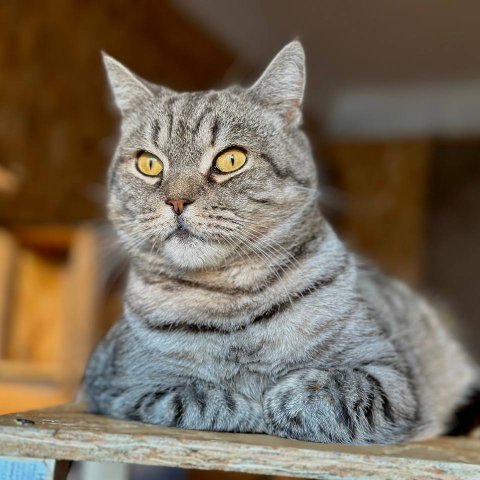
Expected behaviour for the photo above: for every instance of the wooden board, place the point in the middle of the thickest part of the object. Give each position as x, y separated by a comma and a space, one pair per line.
68, 433
50, 295
83, 298
36, 326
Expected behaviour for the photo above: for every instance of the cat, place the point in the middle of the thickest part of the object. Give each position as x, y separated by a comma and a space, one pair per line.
243, 310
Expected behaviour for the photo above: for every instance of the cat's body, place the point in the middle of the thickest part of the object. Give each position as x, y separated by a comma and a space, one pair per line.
243, 310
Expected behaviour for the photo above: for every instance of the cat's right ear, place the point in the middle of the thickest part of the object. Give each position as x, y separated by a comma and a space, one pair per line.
282, 84
127, 88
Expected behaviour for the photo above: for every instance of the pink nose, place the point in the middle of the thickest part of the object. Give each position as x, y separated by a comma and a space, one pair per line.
178, 205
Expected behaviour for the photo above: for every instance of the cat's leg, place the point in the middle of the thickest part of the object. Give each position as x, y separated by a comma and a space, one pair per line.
111, 389
199, 407
343, 406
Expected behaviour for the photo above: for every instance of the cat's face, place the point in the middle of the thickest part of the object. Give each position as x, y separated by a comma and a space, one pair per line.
202, 177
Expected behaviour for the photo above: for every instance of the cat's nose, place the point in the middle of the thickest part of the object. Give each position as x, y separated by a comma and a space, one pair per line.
178, 205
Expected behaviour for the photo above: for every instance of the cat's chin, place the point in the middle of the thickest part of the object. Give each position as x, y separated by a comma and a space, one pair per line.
193, 253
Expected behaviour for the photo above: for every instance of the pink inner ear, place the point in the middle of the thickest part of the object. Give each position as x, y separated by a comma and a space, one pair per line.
292, 113
290, 116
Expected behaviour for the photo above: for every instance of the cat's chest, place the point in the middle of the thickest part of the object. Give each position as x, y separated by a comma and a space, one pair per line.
192, 304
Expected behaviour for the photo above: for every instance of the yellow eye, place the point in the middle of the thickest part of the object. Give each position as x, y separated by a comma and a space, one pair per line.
149, 164
230, 160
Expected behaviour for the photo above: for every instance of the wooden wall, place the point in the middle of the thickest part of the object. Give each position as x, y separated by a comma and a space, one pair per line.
453, 233
384, 188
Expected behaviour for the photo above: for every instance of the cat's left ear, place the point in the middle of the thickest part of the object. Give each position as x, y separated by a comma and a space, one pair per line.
127, 87
282, 84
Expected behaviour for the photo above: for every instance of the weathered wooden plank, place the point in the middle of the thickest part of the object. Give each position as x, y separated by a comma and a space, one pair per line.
68, 433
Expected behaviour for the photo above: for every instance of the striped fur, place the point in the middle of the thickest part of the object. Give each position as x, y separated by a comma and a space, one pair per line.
257, 318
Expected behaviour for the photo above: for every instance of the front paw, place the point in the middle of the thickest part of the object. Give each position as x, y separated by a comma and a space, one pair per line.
161, 407
302, 406
201, 408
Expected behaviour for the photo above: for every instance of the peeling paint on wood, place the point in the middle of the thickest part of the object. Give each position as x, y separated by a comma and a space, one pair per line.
67, 432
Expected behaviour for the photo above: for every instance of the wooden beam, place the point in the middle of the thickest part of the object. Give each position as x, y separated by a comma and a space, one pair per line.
69, 433
84, 293
8, 254
51, 238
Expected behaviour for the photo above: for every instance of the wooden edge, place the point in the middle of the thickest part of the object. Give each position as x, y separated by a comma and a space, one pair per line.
68, 433
84, 272
55, 238
8, 253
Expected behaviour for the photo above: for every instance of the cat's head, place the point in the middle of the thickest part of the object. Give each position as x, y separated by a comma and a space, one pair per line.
201, 177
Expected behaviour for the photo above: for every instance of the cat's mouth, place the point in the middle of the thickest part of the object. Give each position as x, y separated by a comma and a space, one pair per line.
183, 234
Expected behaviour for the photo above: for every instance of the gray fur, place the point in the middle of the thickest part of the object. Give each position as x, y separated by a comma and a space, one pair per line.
259, 320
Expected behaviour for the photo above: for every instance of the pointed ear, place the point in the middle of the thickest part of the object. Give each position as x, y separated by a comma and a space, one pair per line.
282, 84
127, 88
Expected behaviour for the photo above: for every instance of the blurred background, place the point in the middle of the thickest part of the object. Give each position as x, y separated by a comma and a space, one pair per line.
392, 109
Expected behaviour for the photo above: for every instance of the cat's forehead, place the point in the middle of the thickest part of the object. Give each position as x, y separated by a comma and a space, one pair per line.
192, 106
183, 124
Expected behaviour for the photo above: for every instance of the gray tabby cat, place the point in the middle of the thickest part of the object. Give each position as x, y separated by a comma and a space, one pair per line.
243, 311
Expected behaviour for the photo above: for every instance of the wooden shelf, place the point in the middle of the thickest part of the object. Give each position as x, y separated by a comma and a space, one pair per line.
68, 433
51, 296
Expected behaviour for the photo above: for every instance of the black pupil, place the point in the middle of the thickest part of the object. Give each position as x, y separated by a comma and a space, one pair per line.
232, 158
